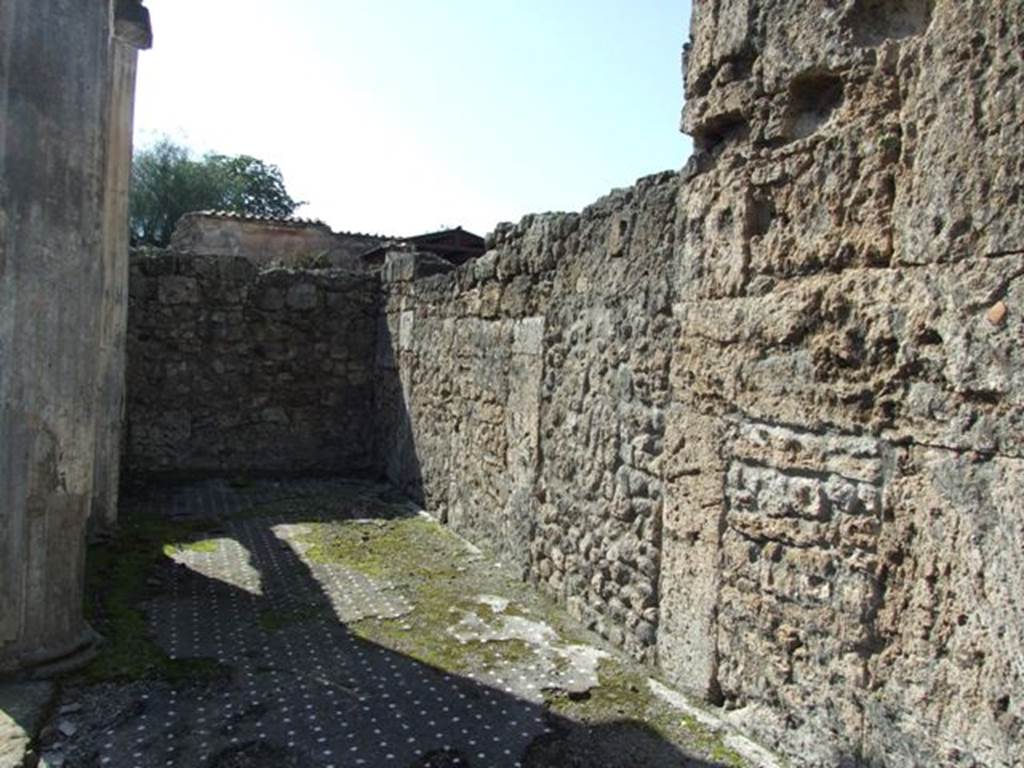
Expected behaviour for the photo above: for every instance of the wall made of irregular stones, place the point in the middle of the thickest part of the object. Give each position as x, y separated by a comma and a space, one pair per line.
849, 248
522, 397
233, 370
761, 422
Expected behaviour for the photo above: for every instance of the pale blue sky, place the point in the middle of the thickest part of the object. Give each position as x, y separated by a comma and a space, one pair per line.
401, 116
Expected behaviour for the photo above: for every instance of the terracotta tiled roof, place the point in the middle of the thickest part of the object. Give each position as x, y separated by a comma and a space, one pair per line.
289, 221
293, 221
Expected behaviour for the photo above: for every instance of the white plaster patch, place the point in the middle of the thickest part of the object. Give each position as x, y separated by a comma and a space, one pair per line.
494, 602
405, 329
553, 665
528, 336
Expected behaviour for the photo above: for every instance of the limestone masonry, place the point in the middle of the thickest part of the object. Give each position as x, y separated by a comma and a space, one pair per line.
760, 423
235, 369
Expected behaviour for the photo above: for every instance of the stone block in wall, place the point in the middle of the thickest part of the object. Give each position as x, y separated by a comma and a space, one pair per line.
178, 289
962, 115
801, 583
402, 266
522, 438
406, 328
528, 336
822, 201
911, 354
270, 298
303, 297
693, 472
946, 684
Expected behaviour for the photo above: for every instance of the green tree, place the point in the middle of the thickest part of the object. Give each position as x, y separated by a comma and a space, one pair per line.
167, 182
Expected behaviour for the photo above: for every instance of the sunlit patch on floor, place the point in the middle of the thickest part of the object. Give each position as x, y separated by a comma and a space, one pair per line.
341, 627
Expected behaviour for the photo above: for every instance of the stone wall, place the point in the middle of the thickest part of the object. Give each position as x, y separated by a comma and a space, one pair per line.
523, 399
758, 423
233, 370
761, 422
849, 313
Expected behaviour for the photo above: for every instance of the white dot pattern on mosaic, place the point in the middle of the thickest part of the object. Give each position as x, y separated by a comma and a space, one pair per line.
300, 681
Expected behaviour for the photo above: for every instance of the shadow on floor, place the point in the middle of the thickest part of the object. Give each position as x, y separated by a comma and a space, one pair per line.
303, 689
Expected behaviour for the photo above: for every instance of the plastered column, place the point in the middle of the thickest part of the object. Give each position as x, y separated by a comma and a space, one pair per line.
55, 101
132, 33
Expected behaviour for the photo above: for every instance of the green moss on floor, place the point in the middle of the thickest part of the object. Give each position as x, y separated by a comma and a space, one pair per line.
623, 694
205, 546
502, 652
710, 743
116, 583
419, 557
407, 548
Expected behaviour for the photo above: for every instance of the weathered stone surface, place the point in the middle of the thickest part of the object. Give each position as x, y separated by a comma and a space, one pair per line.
760, 422
131, 32
693, 516
255, 372
522, 396
949, 671
843, 249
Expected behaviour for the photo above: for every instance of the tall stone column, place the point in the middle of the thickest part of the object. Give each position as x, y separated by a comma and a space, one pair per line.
132, 33
55, 100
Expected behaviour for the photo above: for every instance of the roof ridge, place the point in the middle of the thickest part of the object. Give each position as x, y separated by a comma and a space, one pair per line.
293, 220
222, 214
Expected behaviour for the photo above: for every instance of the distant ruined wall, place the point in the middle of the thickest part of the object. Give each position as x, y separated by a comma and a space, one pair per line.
233, 370
271, 242
762, 422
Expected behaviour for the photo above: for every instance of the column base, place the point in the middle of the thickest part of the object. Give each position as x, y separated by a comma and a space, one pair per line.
49, 662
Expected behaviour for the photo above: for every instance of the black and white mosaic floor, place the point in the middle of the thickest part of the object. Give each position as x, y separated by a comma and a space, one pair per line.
301, 688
